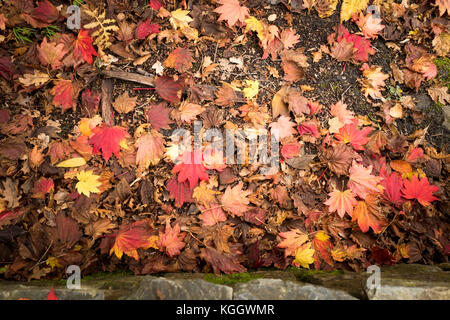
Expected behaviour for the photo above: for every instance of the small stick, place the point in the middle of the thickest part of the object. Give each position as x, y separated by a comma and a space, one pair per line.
129, 76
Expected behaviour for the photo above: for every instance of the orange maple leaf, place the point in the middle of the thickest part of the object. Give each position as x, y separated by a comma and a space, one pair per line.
82, 47
232, 12
131, 237
51, 53
367, 214
235, 200
150, 149
342, 202
108, 139
63, 92
293, 240
171, 241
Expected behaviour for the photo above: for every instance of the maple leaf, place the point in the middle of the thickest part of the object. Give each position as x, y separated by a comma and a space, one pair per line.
343, 50
350, 7
361, 47
213, 159
42, 187
289, 38
41, 16
180, 59
339, 110
420, 61
87, 183
373, 82
401, 166
6, 68
362, 181
124, 103
169, 89
189, 111
204, 195
171, 241
82, 47
158, 116
226, 96
235, 201
293, 240
212, 215
308, 128
191, 168
227, 263
232, 12
145, 28
251, 89
179, 19
257, 216
414, 155
369, 25
63, 92
108, 139
290, 150
179, 191
322, 246
342, 202
150, 149
366, 213
420, 190
156, 5
51, 53
304, 256
339, 158
351, 133
392, 184
91, 100
444, 5
377, 141
131, 237
282, 128
297, 103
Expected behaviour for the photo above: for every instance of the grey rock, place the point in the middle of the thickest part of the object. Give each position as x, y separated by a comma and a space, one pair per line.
180, 289
411, 282
41, 293
423, 102
446, 112
276, 289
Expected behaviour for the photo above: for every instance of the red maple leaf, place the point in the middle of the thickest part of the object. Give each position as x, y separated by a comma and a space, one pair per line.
158, 116
144, 28
108, 140
351, 133
41, 16
420, 190
227, 263
6, 68
191, 168
82, 47
308, 128
91, 99
63, 94
180, 59
322, 246
156, 5
42, 187
393, 185
179, 191
171, 241
362, 47
169, 89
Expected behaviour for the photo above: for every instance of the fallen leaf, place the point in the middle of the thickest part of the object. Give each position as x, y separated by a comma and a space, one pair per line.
124, 103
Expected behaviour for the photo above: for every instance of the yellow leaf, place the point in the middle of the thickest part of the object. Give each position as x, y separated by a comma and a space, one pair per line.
53, 262
254, 24
349, 7
204, 195
87, 183
322, 236
36, 79
304, 256
401, 166
179, 19
71, 163
251, 88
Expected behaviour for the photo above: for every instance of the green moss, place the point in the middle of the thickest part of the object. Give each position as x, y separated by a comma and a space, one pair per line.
231, 278
308, 275
443, 65
102, 275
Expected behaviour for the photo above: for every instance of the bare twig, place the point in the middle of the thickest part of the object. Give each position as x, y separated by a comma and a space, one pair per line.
129, 76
